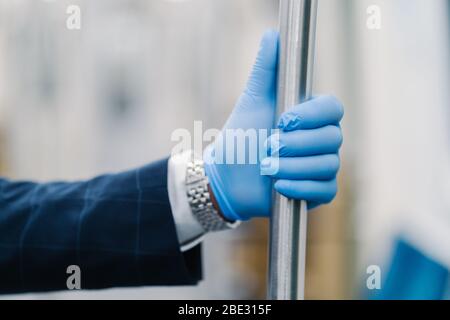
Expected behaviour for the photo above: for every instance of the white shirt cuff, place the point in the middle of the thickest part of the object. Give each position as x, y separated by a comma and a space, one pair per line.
189, 231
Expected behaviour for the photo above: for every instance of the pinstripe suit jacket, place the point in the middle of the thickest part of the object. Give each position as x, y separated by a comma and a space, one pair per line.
117, 228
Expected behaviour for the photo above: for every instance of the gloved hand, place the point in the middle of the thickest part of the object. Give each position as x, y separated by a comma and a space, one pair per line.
305, 152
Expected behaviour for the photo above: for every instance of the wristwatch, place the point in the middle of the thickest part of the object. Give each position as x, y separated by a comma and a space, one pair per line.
200, 199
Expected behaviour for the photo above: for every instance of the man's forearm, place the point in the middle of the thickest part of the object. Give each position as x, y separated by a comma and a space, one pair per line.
117, 228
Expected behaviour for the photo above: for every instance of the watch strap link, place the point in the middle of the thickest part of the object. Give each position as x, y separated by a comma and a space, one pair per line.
199, 199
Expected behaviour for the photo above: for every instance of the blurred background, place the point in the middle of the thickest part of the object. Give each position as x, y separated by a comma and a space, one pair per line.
105, 98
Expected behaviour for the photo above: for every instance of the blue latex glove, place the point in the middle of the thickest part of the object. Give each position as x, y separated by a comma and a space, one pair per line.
308, 145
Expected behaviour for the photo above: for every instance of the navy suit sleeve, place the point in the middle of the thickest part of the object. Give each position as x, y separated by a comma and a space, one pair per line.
117, 228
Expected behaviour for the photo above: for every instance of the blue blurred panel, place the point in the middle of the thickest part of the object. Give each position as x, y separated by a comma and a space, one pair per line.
413, 276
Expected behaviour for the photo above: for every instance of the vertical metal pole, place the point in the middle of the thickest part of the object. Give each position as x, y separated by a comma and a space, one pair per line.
289, 218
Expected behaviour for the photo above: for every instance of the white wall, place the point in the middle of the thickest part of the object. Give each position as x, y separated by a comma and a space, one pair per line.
403, 80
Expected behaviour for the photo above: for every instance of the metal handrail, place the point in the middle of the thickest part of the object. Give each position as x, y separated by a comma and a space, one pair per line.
287, 255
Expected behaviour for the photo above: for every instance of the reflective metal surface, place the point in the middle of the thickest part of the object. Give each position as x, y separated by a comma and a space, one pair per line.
289, 218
